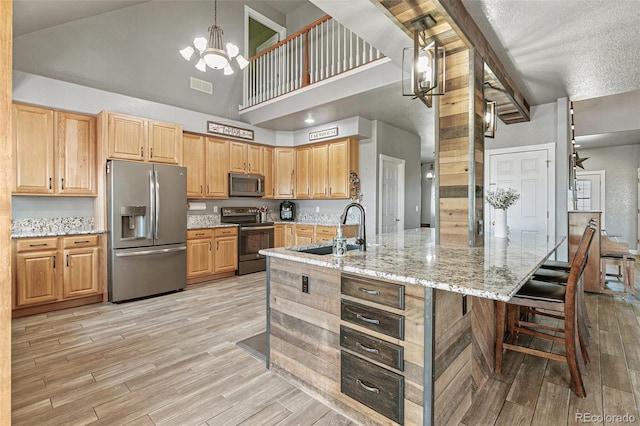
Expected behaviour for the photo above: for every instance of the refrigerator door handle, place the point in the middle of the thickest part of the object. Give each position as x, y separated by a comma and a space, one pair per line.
147, 252
152, 213
156, 216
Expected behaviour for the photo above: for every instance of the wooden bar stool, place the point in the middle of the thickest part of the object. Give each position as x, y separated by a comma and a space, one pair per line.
553, 297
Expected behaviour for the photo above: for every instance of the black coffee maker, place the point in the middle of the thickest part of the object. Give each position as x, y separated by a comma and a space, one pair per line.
287, 210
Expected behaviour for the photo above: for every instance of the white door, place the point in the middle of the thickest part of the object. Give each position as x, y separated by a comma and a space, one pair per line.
391, 194
590, 193
527, 169
638, 242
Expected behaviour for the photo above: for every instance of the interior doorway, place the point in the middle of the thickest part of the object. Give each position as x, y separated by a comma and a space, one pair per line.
531, 171
391, 187
590, 193
260, 32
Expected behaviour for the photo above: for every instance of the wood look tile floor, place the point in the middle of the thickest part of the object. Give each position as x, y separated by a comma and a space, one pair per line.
173, 360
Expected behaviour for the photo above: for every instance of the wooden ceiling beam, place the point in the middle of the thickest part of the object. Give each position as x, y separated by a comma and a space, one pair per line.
460, 20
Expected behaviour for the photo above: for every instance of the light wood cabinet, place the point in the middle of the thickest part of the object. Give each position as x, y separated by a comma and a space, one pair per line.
303, 172
343, 158
54, 152
206, 162
245, 158
278, 235
328, 233
226, 249
211, 253
285, 171
76, 146
139, 139
304, 234
57, 272
267, 166
319, 170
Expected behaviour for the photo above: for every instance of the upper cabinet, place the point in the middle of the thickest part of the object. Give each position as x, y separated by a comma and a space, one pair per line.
319, 169
139, 139
206, 161
245, 158
267, 165
303, 172
285, 172
343, 159
54, 152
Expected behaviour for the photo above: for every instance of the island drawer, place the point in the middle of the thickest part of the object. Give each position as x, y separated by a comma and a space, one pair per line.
373, 319
372, 348
374, 291
377, 388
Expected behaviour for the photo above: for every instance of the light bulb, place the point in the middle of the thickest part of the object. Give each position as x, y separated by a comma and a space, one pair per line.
200, 43
216, 60
228, 70
232, 50
242, 62
201, 65
309, 120
187, 52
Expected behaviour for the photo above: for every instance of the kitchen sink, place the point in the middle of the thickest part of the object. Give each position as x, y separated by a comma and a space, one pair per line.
323, 249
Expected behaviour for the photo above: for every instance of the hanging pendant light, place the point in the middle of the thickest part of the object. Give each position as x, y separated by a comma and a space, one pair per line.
213, 52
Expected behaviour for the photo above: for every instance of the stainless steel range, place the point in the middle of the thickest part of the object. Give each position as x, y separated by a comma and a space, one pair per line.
253, 237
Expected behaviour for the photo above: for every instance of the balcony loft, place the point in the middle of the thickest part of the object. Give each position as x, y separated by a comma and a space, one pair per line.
296, 73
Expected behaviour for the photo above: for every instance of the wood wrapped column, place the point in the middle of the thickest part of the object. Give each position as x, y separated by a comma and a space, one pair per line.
460, 149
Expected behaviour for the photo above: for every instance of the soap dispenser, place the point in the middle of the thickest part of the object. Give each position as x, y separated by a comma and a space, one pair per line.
339, 244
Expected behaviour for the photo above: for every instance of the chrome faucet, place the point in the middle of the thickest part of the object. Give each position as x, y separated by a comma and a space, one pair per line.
362, 235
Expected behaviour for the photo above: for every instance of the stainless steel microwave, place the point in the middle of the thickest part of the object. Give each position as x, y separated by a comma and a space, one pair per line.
241, 185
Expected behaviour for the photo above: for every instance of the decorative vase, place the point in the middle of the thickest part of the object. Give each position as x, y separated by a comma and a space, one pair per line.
500, 224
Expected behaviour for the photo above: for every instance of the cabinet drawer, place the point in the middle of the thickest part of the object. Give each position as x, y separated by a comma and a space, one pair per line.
373, 319
372, 348
326, 230
225, 232
80, 241
304, 229
199, 233
377, 388
36, 244
374, 291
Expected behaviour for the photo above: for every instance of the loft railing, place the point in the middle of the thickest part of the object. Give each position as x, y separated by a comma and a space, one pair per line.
319, 51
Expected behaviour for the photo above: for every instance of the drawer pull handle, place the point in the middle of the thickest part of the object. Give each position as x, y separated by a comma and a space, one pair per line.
38, 245
368, 388
81, 242
368, 349
371, 292
369, 320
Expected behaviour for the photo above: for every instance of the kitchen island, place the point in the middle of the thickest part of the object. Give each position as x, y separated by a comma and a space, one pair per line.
402, 333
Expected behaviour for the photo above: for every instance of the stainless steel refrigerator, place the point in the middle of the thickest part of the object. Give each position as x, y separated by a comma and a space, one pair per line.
147, 220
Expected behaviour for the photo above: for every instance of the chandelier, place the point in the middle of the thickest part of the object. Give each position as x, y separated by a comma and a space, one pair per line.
214, 53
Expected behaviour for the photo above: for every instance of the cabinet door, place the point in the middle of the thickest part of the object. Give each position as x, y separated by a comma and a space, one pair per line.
194, 160
226, 254
339, 170
285, 171
33, 153
319, 170
80, 276
199, 257
165, 142
76, 144
278, 236
237, 157
36, 278
302, 173
267, 166
217, 182
254, 160
127, 137
289, 237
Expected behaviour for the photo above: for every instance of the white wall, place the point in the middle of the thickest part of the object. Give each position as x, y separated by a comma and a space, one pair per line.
302, 16
425, 210
608, 114
620, 164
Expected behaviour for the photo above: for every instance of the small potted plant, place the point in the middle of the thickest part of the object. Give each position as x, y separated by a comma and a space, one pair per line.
501, 199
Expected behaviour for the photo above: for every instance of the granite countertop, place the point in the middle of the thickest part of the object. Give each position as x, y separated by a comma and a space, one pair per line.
311, 222
56, 233
495, 271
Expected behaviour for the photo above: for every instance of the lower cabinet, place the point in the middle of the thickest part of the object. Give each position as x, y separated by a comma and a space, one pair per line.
57, 272
305, 234
211, 252
287, 235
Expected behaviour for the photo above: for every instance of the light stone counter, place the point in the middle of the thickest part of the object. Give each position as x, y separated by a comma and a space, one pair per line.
495, 271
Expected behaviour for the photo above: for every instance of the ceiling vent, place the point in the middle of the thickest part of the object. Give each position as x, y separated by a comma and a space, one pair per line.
201, 85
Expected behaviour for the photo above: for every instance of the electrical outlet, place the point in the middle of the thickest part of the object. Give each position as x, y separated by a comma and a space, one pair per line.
317, 209
215, 209
305, 284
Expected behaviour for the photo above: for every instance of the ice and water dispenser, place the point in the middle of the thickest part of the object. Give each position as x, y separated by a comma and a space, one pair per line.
134, 222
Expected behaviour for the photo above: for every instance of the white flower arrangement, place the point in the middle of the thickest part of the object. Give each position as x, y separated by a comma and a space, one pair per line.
502, 198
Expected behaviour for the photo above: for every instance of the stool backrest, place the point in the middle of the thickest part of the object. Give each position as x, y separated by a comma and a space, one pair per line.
578, 263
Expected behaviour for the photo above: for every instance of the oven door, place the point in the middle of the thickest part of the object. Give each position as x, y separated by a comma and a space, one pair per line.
252, 240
